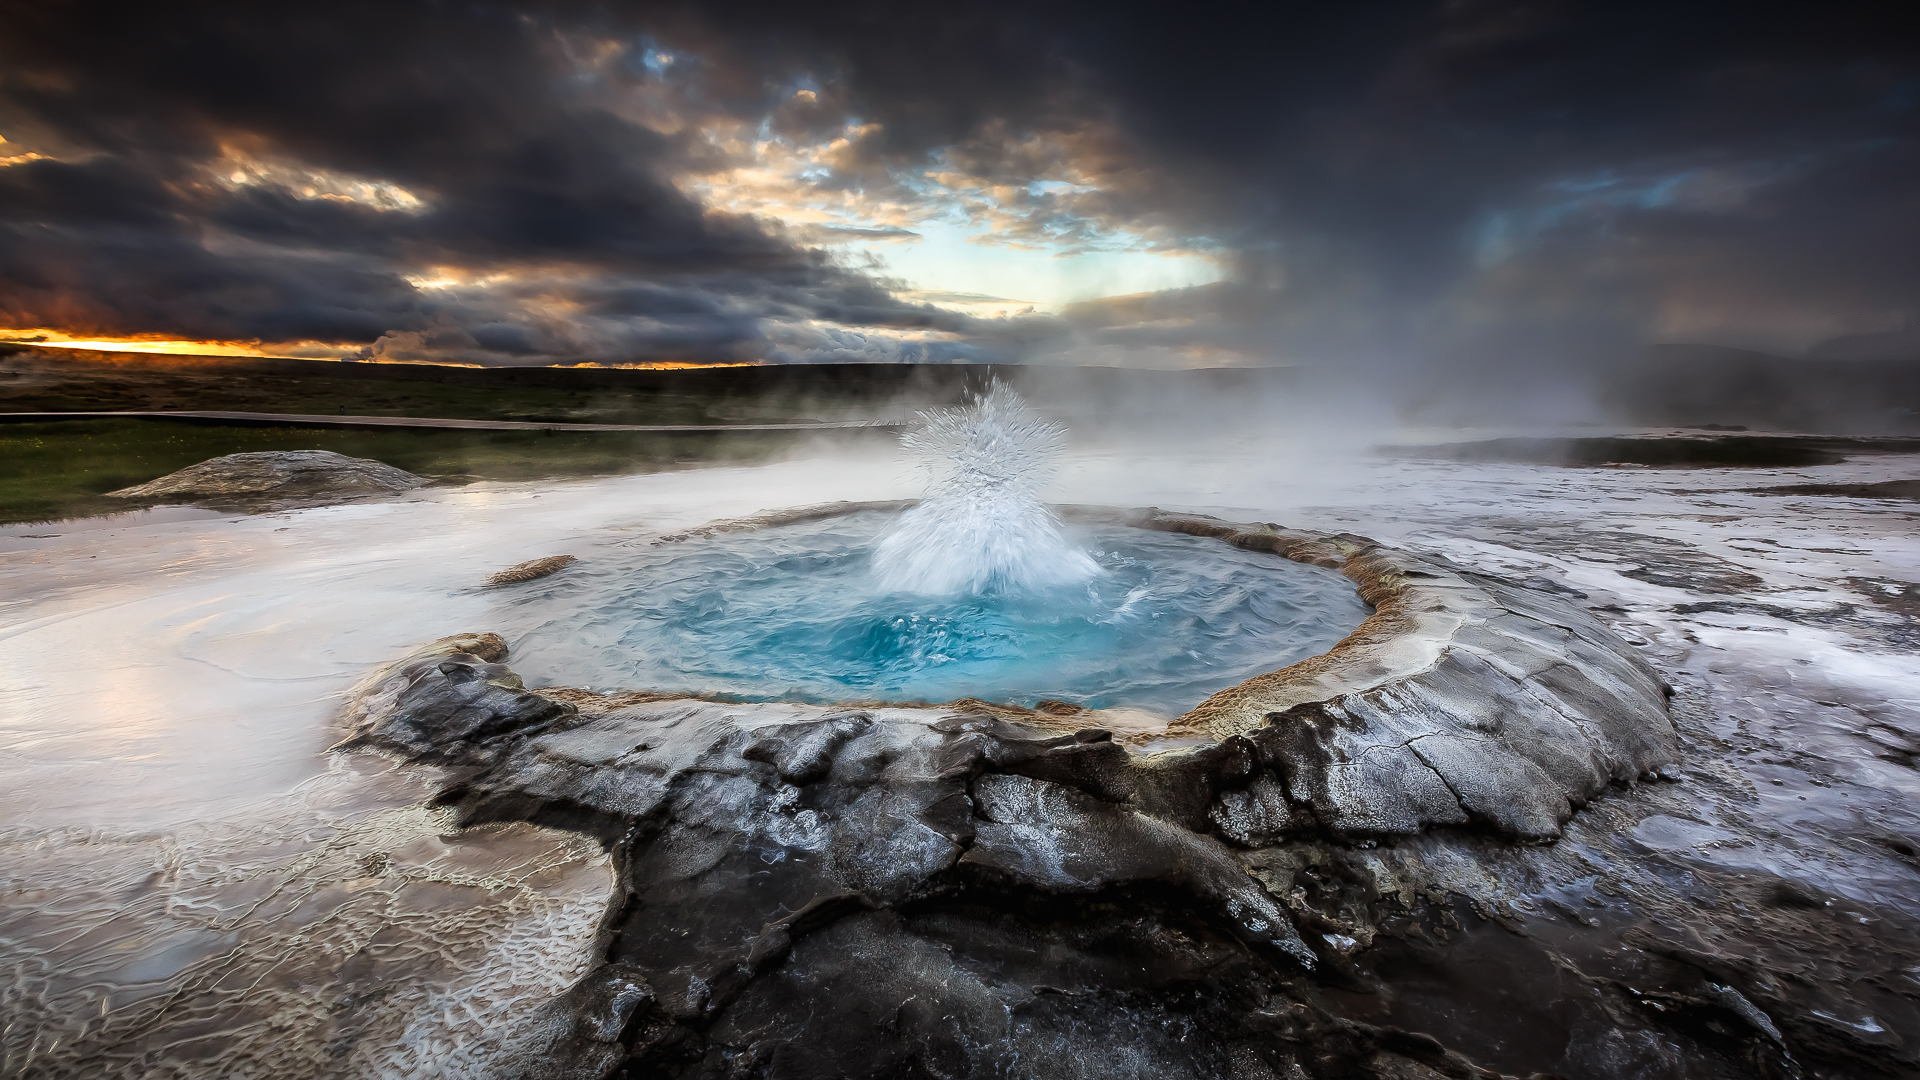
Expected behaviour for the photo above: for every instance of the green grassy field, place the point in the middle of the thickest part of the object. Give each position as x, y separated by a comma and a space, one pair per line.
333, 389
62, 469
45, 380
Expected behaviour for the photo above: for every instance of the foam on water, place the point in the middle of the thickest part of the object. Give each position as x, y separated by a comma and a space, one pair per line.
981, 526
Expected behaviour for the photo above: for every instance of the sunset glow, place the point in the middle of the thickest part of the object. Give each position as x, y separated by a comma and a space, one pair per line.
308, 350
144, 343
660, 365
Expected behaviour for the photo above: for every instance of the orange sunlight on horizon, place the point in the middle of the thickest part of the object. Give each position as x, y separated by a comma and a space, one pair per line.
330, 352
656, 365
160, 345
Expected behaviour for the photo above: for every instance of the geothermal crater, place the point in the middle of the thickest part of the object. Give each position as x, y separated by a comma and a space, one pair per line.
816, 889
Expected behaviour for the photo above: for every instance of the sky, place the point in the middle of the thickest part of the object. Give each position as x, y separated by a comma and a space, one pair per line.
1383, 188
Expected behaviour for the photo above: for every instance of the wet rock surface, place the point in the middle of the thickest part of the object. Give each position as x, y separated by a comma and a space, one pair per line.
1461, 701
805, 891
1776, 863
829, 891
276, 480
356, 932
531, 570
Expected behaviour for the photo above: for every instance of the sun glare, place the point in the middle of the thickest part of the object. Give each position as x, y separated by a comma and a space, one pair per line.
145, 343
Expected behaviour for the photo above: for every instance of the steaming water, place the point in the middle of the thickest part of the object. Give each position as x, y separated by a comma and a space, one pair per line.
794, 612
977, 591
981, 526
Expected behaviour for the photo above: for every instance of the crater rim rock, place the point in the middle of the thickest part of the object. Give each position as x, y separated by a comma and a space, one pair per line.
995, 860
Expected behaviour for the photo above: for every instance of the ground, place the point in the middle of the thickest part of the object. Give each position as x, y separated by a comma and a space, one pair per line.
171, 690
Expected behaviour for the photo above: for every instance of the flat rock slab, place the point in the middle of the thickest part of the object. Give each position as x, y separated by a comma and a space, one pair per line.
276, 480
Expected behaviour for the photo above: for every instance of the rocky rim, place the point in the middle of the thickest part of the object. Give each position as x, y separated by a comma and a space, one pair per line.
979, 890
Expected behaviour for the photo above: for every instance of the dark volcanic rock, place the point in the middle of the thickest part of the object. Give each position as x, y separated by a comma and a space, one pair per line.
276, 480
1461, 701
969, 891
1885, 489
1661, 451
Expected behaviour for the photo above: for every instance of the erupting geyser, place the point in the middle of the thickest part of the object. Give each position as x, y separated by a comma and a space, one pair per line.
977, 591
981, 526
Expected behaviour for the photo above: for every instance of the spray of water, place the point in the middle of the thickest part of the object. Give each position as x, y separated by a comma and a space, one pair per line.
981, 526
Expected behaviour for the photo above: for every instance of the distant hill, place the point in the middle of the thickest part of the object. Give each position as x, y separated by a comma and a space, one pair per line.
1691, 385
33, 379
1856, 390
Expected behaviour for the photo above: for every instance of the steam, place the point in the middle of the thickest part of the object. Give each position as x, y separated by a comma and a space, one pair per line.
981, 526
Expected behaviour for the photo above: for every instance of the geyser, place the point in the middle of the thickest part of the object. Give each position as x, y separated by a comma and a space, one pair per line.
981, 526
977, 591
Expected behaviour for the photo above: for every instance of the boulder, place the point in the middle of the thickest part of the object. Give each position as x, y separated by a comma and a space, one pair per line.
276, 480
531, 570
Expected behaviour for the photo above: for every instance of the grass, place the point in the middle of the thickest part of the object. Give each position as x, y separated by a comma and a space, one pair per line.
62, 469
34, 380
342, 394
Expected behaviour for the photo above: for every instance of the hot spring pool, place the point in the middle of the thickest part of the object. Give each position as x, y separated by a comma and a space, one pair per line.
793, 612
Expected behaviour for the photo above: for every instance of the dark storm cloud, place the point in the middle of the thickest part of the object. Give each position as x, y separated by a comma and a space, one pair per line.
1383, 169
471, 110
1391, 173
1393, 183
102, 247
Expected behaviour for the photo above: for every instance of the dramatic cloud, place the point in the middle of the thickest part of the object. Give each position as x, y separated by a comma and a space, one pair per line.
1439, 185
